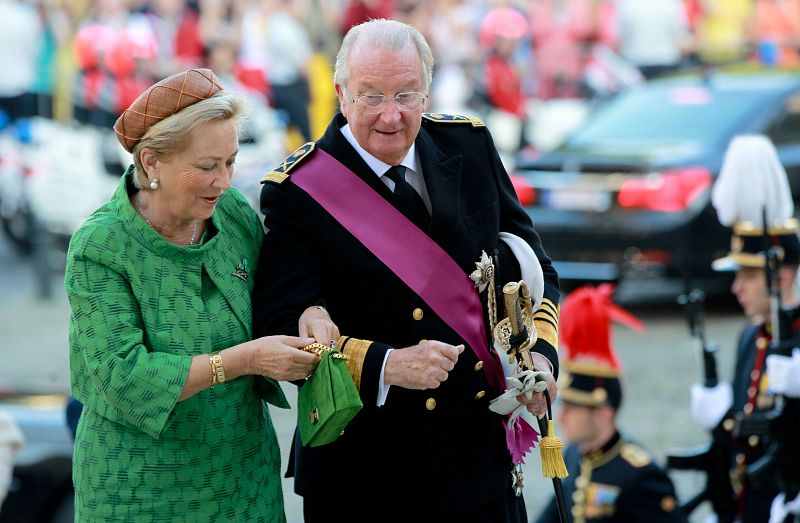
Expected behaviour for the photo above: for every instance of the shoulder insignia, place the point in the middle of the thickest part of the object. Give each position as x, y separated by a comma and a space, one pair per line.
635, 455
452, 118
280, 173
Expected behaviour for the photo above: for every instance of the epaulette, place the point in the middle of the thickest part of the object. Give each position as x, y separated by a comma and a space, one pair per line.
453, 118
635, 455
280, 173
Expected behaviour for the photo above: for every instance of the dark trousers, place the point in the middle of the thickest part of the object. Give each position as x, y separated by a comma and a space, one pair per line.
294, 99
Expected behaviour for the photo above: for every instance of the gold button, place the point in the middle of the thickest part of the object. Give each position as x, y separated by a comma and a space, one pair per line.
478, 366
480, 394
430, 404
417, 314
728, 424
752, 441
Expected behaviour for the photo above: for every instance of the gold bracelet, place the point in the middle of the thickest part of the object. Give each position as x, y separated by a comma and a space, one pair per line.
217, 371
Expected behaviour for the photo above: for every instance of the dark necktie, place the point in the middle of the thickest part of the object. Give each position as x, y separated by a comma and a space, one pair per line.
409, 200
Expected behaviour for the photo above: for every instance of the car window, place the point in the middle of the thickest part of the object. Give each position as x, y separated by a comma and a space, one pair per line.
642, 118
787, 128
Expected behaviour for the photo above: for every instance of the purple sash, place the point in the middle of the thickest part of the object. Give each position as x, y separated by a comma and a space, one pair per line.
389, 235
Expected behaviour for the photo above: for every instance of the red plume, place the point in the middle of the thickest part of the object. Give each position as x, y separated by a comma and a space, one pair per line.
584, 327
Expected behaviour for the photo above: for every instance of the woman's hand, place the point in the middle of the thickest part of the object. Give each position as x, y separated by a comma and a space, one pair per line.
280, 358
315, 322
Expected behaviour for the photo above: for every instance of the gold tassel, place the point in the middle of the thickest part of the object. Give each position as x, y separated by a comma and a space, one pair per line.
552, 460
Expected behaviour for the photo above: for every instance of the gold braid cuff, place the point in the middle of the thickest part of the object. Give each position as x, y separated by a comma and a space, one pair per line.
546, 321
356, 352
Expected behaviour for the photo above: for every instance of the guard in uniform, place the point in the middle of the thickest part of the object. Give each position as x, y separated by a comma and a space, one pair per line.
611, 479
417, 451
751, 165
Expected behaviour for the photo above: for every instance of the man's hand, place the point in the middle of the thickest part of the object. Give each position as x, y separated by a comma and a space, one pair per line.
537, 405
423, 366
316, 323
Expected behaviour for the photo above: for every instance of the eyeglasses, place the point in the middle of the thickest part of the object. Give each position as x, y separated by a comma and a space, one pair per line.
374, 103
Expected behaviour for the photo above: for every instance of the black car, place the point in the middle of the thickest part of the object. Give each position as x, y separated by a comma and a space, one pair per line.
628, 196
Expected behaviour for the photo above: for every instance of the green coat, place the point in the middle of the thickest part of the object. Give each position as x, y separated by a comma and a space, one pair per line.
142, 307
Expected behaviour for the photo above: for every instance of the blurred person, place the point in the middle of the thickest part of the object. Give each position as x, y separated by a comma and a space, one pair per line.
611, 478
275, 43
11, 440
430, 189
105, 58
21, 39
501, 31
564, 32
776, 32
174, 424
288, 55
174, 26
653, 35
451, 26
721, 31
357, 12
751, 173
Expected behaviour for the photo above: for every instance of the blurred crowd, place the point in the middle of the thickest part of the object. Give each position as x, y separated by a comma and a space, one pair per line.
86, 60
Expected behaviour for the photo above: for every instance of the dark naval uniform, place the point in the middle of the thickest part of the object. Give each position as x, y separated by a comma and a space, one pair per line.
750, 397
618, 483
426, 455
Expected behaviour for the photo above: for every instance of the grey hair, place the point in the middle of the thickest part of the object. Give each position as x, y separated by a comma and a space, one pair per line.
389, 35
171, 135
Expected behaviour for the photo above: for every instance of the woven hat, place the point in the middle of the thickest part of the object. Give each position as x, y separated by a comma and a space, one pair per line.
162, 100
591, 367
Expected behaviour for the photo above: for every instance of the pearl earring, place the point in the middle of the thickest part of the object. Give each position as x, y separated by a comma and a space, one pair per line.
154, 184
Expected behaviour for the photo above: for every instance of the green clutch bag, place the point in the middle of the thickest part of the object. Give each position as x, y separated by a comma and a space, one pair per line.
328, 400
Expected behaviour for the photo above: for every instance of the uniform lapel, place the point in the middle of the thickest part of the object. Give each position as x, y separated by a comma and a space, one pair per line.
443, 179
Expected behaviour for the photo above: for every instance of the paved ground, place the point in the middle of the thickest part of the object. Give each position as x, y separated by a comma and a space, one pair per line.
659, 364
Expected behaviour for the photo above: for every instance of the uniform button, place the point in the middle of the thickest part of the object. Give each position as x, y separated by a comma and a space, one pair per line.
417, 314
728, 424
430, 404
752, 441
478, 366
480, 394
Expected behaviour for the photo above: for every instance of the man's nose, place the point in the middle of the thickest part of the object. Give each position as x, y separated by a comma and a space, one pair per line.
390, 111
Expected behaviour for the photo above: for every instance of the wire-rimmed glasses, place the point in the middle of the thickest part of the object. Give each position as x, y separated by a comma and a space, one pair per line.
374, 103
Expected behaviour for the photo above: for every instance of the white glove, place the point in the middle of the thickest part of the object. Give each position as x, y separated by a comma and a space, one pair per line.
526, 382
784, 374
10, 441
709, 404
780, 509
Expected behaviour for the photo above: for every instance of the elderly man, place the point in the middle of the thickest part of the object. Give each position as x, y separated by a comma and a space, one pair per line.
377, 226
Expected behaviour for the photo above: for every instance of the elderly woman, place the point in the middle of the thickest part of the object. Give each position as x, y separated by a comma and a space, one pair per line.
159, 282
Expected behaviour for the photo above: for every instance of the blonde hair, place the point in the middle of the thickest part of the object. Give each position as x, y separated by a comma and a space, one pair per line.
171, 135
389, 35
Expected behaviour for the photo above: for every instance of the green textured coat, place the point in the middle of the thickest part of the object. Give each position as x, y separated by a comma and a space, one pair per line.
142, 307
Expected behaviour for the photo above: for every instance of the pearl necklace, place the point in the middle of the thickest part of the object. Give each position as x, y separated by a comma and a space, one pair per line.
141, 213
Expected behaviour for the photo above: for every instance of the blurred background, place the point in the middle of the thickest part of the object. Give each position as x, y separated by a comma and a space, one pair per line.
612, 117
